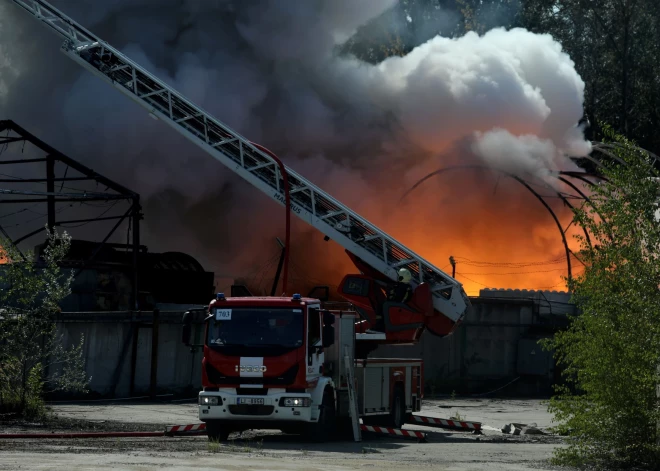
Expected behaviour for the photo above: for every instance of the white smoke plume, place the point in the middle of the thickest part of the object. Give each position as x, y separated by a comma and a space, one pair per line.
270, 69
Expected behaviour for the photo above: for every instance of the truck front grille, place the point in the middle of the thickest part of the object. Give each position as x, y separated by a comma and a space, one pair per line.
217, 378
247, 409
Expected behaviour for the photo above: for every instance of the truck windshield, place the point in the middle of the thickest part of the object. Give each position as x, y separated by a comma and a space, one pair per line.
256, 327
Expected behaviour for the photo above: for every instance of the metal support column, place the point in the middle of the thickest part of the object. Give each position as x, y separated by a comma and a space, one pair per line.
136, 216
50, 189
154, 353
134, 351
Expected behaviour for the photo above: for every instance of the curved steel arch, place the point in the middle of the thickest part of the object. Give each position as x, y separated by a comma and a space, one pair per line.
605, 148
530, 189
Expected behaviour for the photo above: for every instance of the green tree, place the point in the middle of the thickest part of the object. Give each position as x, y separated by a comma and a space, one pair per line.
33, 357
413, 22
615, 45
610, 352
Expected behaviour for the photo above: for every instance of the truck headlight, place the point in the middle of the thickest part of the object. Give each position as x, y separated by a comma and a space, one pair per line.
209, 400
295, 402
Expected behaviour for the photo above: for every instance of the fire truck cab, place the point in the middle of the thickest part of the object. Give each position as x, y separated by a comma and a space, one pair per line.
280, 363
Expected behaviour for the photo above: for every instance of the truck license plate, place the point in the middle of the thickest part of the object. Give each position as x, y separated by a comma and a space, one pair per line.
253, 401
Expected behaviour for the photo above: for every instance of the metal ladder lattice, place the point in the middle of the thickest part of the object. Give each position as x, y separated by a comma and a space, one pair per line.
308, 202
352, 396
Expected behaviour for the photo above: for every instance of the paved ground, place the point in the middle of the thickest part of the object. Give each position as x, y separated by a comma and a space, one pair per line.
265, 451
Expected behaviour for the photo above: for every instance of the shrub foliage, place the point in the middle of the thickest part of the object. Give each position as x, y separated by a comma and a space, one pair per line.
33, 355
610, 353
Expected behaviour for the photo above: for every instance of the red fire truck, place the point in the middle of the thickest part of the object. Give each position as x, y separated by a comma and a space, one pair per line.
287, 362
283, 362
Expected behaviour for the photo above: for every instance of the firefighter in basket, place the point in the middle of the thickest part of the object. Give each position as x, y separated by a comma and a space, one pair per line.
401, 291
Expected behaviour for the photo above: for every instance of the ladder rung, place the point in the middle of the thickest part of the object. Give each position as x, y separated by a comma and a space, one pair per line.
300, 188
86, 45
117, 68
257, 167
181, 120
332, 214
156, 92
404, 262
372, 237
224, 141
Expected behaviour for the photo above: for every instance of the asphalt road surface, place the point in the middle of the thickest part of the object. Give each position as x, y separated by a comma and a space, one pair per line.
268, 450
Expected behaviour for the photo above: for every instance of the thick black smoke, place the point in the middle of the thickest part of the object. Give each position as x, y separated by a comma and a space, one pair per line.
271, 70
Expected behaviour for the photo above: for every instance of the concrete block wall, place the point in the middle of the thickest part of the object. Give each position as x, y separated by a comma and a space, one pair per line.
496, 344
108, 351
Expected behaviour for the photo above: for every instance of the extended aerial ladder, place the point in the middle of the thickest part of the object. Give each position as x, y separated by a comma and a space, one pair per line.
372, 250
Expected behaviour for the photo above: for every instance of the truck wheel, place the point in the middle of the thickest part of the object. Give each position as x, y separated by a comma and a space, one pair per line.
216, 431
326, 426
398, 416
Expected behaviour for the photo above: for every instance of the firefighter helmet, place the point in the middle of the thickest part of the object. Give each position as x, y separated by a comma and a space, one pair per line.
404, 275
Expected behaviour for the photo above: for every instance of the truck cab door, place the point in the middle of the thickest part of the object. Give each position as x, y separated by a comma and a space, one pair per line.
315, 355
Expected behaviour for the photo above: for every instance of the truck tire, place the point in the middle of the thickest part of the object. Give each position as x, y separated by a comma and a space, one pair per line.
216, 431
325, 428
398, 415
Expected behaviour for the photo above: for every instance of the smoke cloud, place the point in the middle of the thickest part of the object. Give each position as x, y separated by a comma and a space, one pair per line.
365, 133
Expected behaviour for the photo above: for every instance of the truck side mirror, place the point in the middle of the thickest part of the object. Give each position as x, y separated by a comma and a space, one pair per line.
328, 336
187, 328
328, 318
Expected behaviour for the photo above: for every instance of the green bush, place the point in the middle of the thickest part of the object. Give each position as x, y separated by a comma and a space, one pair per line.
610, 353
30, 346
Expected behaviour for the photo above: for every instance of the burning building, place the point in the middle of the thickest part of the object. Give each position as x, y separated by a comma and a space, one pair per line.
509, 101
108, 275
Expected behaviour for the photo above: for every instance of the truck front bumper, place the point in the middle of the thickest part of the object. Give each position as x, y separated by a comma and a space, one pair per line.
229, 406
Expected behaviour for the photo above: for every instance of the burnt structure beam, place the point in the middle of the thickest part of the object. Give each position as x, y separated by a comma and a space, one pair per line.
58, 156
21, 161
27, 236
43, 180
102, 244
50, 189
153, 380
84, 195
9, 140
529, 188
77, 221
64, 200
136, 215
17, 134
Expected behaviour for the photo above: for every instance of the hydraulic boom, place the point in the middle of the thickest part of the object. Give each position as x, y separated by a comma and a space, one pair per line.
369, 247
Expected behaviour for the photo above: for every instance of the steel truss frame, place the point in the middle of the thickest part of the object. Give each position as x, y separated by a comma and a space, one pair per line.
13, 134
561, 177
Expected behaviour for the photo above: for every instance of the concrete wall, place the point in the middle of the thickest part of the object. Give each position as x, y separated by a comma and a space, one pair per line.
496, 344
109, 345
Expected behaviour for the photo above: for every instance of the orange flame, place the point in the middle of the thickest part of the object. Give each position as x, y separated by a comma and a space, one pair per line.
499, 233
